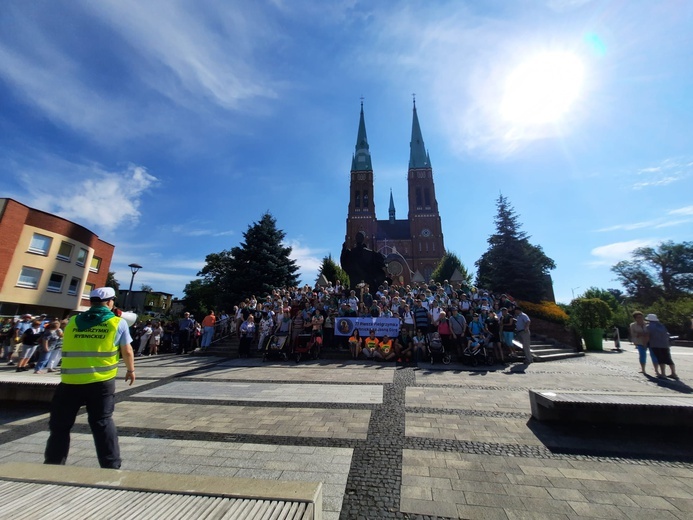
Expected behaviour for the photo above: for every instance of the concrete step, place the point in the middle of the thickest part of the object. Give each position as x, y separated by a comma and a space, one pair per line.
559, 355
138, 494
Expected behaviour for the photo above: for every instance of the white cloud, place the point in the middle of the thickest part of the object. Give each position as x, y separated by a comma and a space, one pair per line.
307, 259
611, 254
631, 226
195, 265
87, 194
670, 170
688, 210
166, 56
196, 228
208, 50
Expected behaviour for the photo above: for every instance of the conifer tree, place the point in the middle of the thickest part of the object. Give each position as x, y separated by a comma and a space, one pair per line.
255, 267
446, 267
332, 271
511, 264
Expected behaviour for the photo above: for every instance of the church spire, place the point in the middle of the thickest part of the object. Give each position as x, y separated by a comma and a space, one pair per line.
418, 156
392, 208
362, 156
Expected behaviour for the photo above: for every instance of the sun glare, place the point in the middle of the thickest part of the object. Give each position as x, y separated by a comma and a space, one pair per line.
542, 89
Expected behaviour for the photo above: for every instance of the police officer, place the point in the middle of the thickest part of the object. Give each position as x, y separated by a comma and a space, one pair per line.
91, 344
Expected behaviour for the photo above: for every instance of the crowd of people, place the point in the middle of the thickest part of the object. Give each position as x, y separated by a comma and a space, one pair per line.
456, 313
37, 341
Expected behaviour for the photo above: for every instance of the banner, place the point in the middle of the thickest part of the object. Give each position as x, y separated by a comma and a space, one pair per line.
382, 326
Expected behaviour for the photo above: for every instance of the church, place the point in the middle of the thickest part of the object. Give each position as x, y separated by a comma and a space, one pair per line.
414, 246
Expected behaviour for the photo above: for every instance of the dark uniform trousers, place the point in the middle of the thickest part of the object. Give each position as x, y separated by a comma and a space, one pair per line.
183, 341
99, 399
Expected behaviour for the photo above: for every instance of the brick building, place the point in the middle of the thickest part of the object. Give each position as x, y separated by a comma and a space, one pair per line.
412, 246
47, 263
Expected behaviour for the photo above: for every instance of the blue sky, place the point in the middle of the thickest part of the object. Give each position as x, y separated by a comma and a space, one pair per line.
167, 127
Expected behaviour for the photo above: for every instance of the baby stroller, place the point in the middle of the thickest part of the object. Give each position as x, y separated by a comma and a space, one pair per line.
276, 347
437, 350
307, 345
478, 351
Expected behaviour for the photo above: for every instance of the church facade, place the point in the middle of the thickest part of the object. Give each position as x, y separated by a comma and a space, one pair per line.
414, 246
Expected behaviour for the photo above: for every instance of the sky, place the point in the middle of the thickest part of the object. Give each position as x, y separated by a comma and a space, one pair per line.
168, 127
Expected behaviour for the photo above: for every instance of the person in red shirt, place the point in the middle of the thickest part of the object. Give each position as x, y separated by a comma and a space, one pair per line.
208, 329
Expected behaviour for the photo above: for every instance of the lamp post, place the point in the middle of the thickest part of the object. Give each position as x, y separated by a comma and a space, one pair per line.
133, 269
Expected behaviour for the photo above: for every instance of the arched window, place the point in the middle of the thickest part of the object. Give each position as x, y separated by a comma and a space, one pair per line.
357, 201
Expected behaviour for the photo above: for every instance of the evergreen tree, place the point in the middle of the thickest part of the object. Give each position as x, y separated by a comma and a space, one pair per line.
332, 271
257, 266
112, 282
511, 264
446, 267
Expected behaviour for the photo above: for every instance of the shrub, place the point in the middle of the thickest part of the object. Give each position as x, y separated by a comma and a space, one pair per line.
544, 310
590, 313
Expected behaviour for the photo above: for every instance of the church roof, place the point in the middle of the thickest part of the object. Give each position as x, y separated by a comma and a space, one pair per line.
392, 230
418, 156
361, 160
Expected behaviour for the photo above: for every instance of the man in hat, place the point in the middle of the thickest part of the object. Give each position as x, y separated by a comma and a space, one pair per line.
659, 345
91, 344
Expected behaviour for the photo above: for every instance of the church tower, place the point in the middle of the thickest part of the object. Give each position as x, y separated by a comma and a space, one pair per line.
361, 213
424, 219
413, 246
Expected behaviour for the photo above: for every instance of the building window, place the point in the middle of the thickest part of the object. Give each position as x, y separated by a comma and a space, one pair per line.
88, 288
65, 251
40, 244
418, 198
365, 200
95, 264
29, 278
74, 286
82, 257
357, 201
427, 198
55, 283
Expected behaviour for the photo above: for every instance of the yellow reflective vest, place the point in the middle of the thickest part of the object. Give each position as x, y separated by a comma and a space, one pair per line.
90, 356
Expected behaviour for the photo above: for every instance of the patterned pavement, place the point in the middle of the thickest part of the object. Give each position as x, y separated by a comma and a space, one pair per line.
395, 442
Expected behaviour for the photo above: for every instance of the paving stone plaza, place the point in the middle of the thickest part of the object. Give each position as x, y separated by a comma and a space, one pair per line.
395, 442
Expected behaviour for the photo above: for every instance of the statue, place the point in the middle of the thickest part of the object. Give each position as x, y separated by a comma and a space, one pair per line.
363, 264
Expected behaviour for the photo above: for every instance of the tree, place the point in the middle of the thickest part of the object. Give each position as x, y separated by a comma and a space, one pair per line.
146, 288
662, 272
511, 264
446, 267
332, 271
199, 297
605, 295
256, 266
112, 282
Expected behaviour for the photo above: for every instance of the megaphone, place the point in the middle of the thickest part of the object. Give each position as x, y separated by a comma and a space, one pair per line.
129, 317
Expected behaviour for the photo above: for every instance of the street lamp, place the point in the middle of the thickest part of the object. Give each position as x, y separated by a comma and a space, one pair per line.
133, 269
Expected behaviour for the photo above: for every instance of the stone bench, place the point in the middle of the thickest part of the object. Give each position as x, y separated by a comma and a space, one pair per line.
77, 492
611, 408
25, 387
